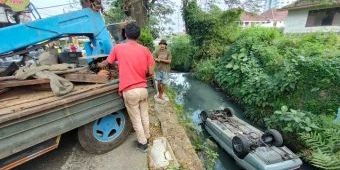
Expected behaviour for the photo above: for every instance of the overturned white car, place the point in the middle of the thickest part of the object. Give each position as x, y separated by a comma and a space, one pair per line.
251, 148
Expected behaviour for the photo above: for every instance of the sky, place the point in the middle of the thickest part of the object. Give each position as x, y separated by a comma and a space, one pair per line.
65, 6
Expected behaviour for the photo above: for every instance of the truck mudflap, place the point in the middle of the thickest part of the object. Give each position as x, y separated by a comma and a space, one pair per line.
29, 153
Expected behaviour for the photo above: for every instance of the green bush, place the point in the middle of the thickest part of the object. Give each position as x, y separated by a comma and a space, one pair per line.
212, 31
266, 69
205, 70
291, 121
321, 145
183, 52
146, 38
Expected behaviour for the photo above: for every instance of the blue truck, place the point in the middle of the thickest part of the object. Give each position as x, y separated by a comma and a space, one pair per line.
31, 121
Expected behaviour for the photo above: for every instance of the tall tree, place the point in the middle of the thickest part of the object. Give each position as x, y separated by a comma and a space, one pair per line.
153, 13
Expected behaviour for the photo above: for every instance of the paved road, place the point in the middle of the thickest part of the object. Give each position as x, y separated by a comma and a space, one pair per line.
71, 156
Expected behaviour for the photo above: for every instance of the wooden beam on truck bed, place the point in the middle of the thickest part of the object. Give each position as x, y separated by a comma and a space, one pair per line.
16, 83
43, 102
86, 78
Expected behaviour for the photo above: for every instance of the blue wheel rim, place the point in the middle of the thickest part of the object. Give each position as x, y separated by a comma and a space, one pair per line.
108, 128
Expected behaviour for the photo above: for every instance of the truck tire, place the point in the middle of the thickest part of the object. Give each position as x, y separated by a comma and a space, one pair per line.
276, 136
106, 133
241, 146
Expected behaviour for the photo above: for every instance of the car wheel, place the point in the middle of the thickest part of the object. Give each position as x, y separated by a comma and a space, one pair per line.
241, 146
274, 136
229, 111
203, 115
106, 133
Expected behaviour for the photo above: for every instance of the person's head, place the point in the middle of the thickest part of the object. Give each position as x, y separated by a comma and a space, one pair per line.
162, 44
132, 31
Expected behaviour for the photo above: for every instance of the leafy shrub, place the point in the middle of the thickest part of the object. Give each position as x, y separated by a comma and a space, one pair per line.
291, 120
183, 52
266, 69
205, 70
324, 145
212, 31
321, 145
146, 38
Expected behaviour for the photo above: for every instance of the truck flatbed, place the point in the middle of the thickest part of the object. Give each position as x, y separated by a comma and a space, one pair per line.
29, 117
22, 98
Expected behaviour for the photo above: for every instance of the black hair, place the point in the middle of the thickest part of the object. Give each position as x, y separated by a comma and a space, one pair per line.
132, 31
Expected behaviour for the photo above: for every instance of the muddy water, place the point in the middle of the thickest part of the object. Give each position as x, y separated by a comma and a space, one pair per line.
196, 96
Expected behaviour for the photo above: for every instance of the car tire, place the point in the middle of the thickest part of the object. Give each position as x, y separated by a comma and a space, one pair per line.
203, 116
106, 133
229, 111
241, 146
276, 136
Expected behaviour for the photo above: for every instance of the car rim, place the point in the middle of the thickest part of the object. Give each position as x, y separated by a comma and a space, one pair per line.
108, 128
238, 145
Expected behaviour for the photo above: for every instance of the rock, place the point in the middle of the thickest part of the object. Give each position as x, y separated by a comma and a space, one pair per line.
161, 155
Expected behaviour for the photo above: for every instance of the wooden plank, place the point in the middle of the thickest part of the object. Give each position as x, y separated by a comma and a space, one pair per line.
27, 101
3, 90
86, 78
55, 72
10, 98
16, 83
50, 102
7, 78
9, 114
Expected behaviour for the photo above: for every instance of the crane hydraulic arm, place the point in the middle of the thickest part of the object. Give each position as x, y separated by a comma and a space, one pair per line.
19, 38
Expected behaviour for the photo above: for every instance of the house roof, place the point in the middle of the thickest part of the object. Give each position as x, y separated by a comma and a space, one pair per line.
302, 4
247, 16
275, 15
269, 15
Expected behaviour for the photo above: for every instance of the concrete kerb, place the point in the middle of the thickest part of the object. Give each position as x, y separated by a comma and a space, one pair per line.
176, 136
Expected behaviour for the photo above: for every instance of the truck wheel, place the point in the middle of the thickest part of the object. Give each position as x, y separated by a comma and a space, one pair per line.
241, 146
106, 133
276, 137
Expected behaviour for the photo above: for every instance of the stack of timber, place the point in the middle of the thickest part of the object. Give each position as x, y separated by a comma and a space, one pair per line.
78, 75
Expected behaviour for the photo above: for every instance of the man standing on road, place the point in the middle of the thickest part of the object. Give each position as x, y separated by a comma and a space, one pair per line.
135, 62
163, 59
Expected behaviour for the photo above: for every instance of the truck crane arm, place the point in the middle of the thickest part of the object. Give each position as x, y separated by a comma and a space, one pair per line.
20, 38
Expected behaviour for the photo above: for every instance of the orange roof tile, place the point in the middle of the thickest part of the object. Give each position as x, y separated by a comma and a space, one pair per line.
247, 16
275, 15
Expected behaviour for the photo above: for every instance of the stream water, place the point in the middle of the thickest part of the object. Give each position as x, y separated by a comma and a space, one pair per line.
197, 96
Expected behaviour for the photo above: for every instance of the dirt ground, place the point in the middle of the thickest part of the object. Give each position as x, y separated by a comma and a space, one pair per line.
163, 122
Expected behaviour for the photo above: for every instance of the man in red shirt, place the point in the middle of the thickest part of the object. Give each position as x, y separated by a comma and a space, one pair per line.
135, 62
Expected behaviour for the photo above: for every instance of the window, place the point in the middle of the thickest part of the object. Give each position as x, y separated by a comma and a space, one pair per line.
323, 17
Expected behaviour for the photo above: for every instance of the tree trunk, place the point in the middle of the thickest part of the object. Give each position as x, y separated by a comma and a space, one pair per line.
137, 10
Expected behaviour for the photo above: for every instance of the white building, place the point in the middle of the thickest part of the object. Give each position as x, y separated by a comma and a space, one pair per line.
305, 16
269, 4
270, 18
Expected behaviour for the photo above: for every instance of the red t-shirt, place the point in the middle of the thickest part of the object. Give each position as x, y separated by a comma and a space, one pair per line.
133, 61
